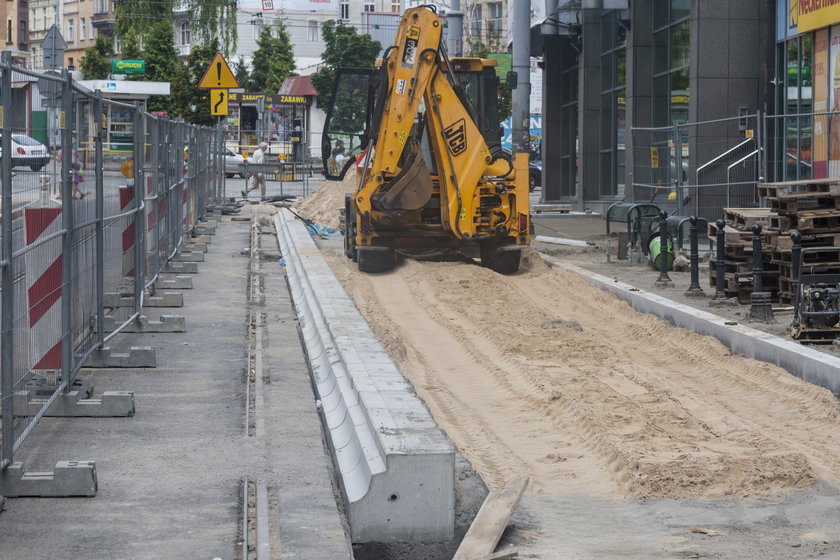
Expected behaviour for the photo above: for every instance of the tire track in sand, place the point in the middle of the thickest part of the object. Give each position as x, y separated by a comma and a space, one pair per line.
542, 374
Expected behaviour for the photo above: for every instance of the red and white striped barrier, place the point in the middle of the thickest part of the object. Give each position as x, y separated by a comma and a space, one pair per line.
43, 288
128, 237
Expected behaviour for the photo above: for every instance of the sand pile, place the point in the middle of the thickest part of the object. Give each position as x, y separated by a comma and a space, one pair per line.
541, 374
323, 204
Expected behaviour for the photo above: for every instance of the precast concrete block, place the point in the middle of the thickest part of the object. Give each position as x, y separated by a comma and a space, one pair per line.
166, 324
69, 478
193, 247
71, 404
136, 357
181, 267
169, 282
193, 257
41, 387
159, 299
396, 468
201, 239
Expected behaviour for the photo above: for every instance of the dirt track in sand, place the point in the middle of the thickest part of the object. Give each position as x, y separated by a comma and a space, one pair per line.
543, 375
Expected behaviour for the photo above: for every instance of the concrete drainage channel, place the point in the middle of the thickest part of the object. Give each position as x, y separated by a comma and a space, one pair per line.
255, 538
395, 468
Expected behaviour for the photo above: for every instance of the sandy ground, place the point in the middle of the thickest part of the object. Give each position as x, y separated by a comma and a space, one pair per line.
539, 374
621, 421
322, 205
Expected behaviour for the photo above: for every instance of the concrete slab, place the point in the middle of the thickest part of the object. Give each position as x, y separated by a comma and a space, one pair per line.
169, 478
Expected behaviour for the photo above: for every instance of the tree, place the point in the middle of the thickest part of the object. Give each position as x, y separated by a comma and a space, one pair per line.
273, 61
343, 47
161, 61
210, 19
130, 46
189, 101
96, 64
240, 70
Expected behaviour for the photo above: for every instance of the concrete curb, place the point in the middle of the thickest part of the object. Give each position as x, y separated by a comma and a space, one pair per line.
396, 468
804, 362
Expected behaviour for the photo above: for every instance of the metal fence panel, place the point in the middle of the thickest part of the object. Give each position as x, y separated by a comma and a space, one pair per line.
85, 229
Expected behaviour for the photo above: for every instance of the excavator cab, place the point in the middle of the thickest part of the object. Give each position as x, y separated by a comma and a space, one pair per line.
346, 129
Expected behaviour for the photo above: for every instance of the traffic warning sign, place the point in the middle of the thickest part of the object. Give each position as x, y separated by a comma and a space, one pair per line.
218, 75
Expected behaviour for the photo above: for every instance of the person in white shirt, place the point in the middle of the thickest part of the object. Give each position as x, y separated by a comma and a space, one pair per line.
257, 179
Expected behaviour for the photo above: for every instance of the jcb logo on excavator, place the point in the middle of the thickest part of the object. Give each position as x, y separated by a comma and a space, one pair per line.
456, 137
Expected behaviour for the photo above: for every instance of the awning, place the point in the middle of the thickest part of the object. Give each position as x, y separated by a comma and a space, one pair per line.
18, 85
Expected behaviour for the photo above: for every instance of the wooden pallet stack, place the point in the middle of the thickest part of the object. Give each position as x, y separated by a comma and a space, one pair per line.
738, 263
813, 209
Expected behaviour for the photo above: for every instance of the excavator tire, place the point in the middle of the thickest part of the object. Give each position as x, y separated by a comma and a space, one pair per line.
376, 260
349, 228
503, 262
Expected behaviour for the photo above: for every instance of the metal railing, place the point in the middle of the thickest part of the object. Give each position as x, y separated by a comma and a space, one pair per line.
699, 168
84, 241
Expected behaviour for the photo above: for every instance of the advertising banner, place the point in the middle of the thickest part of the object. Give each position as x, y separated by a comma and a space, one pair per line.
814, 14
834, 121
820, 151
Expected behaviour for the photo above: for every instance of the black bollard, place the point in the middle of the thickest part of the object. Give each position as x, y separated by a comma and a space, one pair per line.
720, 261
761, 308
796, 266
694, 289
664, 279
758, 265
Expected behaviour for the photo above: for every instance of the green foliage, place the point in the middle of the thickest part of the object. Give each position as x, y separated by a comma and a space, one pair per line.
273, 61
161, 62
96, 64
343, 48
209, 19
189, 101
240, 70
130, 46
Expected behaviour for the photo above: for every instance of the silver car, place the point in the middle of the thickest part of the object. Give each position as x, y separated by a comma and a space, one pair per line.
232, 162
28, 152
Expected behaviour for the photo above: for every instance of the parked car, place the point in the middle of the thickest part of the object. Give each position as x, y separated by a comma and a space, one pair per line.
232, 162
28, 152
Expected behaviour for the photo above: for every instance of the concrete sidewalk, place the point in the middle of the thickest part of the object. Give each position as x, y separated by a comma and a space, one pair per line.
170, 477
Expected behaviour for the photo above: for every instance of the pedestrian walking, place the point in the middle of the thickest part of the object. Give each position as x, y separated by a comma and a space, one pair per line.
76, 175
257, 179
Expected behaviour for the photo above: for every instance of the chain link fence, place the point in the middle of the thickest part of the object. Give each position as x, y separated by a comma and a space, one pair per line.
86, 230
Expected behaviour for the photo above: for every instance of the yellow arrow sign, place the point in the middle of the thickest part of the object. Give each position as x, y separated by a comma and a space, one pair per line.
218, 102
218, 75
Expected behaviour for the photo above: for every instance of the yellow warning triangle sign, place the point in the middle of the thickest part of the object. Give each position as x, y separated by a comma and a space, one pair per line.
218, 75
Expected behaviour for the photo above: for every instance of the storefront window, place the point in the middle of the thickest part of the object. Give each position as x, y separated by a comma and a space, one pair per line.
796, 62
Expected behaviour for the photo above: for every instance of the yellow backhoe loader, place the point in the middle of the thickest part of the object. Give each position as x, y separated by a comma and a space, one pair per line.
423, 134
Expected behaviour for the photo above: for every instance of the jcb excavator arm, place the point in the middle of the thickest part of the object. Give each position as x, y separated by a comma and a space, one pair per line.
480, 196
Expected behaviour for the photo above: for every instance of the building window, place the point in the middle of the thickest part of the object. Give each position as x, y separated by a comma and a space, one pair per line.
23, 35
185, 33
90, 28
9, 32
494, 22
345, 11
312, 30
70, 34
82, 29
475, 24
612, 114
670, 61
370, 6
396, 8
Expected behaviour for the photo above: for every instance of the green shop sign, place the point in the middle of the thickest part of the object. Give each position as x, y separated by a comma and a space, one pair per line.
128, 67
